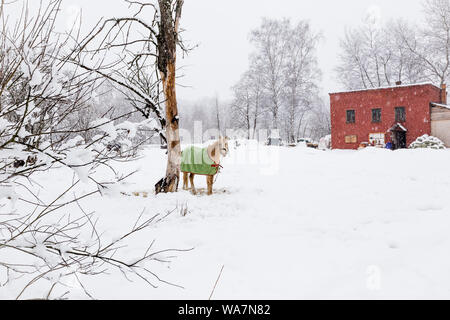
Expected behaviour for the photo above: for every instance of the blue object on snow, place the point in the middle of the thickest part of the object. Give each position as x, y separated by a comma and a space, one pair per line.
389, 145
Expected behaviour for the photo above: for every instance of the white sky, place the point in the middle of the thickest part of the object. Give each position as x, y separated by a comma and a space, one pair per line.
221, 29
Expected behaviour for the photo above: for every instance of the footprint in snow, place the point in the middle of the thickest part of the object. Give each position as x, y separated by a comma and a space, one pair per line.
393, 245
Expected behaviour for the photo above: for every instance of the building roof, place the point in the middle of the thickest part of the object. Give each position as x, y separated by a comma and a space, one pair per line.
389, 87
398, 126
440, 105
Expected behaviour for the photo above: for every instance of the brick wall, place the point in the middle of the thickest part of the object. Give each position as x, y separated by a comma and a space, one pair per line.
416, 100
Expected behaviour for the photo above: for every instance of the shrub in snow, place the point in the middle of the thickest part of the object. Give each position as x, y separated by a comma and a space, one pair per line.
427, 142
325, 143
48, 125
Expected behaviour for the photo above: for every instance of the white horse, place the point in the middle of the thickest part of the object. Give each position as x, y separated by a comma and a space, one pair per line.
215, 152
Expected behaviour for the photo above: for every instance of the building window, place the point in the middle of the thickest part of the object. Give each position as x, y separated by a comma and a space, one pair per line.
377, 139
400, 114
376, 115
351, 139
351, 116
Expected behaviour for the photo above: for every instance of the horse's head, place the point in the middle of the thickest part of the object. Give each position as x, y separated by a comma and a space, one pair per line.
223, 146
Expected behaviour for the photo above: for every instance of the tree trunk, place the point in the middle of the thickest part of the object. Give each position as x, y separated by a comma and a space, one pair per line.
255, 119
167, 49
218, 115
172, 133
247, 119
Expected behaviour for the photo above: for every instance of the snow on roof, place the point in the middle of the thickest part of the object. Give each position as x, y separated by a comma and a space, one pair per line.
398, 125
389, 87
440, 105
402, 127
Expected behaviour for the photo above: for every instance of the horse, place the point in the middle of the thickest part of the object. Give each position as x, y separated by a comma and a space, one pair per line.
198, 161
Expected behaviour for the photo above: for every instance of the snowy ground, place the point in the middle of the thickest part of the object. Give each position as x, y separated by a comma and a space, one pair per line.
290, 223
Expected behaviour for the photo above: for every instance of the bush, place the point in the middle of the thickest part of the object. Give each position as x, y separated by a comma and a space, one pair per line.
427, 142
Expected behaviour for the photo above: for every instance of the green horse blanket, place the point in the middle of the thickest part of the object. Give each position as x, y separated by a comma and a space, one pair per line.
196, 160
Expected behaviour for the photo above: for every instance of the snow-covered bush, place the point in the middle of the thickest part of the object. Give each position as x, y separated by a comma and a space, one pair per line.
42, 96
427, 142
325, 143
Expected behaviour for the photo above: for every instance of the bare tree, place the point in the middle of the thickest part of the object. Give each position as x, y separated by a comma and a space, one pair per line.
41, 94
302, 75
241, 105
282, 81
367, 56
146, 44
258, 96
270, 57
320, 121
247, 106
374, 55
431, 43
218, 113
406, 66
168, 39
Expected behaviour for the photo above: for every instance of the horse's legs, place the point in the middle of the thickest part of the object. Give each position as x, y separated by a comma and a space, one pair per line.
191, 178
185, 181
210, 181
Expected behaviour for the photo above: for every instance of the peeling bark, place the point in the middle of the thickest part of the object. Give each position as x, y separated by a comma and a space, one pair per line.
167, 49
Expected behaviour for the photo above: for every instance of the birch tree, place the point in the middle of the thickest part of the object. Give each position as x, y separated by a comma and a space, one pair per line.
369, 57
374, 55
241, 105
282, 81
431, 42
302, 75
248, 105
270, 58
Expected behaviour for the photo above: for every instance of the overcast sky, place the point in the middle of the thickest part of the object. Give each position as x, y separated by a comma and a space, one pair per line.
221, 29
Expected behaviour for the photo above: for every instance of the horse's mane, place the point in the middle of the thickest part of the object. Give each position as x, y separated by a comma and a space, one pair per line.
215, 144
212, 149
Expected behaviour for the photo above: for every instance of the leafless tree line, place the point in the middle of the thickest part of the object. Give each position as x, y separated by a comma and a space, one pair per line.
377, 54
281, 88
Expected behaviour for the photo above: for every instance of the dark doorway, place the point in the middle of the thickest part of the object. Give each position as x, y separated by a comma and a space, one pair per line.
398, 134
399, 139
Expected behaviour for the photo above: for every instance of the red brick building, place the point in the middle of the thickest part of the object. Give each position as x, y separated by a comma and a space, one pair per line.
397, 114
